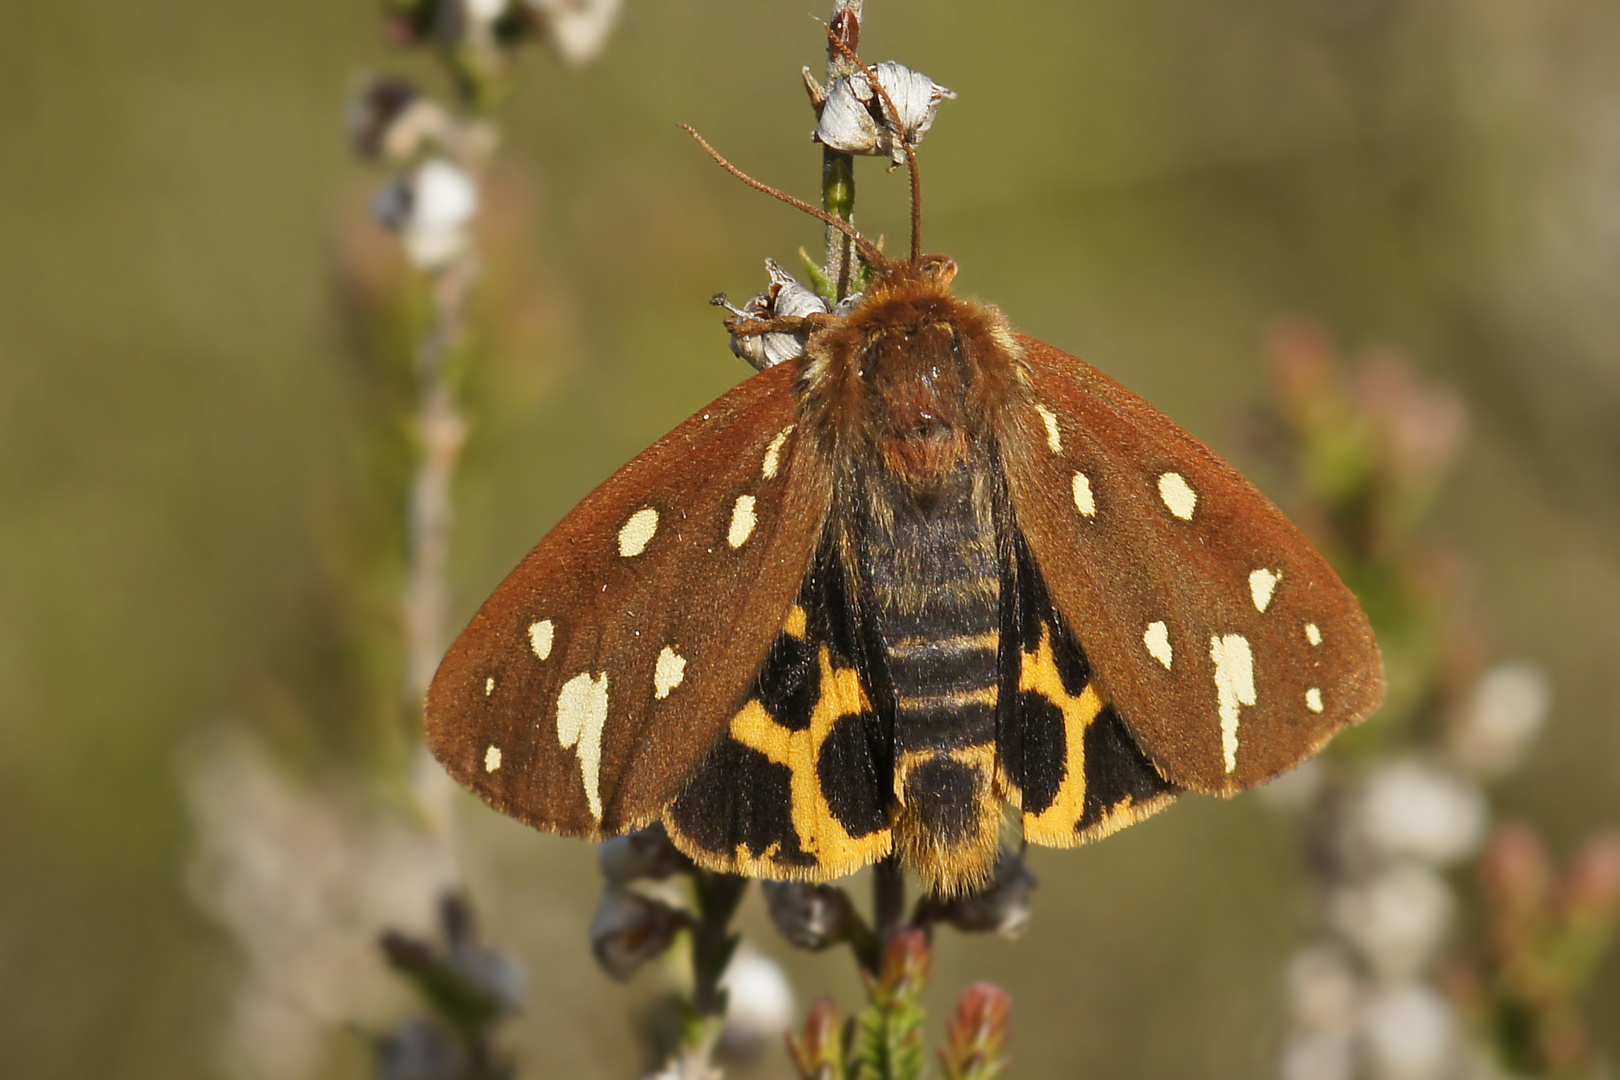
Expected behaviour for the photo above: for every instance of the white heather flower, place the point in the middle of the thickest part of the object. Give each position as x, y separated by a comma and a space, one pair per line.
759, 1002
1322, 991
303, 879
1396, 919
576, 29
1410, 1033
1416, 808
484, 11
445, 201
1508, 709
1296, 789
1318, 1057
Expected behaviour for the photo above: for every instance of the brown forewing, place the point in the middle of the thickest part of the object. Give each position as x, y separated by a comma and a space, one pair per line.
715, 606
1133, 563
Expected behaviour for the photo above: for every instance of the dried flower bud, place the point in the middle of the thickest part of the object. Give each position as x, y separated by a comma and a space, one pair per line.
644, 855
1002, 908
418, 1050
1415, 808
759, 1003
809, 915
976, 1037
629, 930
785, 298
1410, 1033
1508, 710
1396, 920
854, 118
374, 111
408, 21
468, 983
819, 1052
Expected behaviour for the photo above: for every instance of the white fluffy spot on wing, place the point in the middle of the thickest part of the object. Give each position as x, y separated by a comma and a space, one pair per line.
540, 635
1083, 501
582, 709
1179, 498
489, 685
1157, 639
1234, 687
742, 521
1313, 699
1313, 633
1262, 583
638, 531
1054, 441
668, 672
492, 758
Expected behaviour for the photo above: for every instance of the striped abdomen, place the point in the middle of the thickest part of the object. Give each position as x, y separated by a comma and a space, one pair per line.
931, 577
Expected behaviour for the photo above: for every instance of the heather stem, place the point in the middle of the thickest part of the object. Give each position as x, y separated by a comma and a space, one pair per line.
837, 167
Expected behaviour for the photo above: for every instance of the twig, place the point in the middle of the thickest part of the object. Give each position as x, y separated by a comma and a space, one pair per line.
837, 167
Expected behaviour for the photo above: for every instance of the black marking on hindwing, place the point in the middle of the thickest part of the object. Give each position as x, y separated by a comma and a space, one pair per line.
740, 799
801, 783
1118, 774
1067, 756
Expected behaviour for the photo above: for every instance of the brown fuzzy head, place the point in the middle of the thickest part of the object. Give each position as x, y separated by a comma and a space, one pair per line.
914, 375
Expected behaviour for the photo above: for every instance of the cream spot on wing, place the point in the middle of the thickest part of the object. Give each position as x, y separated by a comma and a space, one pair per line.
489, 685
1234, 687
1083, 501
742, 521
773, 453
540, 635
1054, 441
1313, 699
1313, 633
582, 709
637, 532
1157, 639
1178, 498
1262, 583
492, 758
668, 672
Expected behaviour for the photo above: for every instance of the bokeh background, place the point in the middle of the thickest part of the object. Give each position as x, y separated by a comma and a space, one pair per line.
192, 371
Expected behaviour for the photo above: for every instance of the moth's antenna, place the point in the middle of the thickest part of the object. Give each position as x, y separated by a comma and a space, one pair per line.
868, 250
900, 133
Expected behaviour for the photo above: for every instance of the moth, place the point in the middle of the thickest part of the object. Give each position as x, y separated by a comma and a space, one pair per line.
925, 575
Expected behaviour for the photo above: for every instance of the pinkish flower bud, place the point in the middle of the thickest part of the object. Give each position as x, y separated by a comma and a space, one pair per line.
907, 962
1591, 888
1516, 870
820, 1050
976, 1037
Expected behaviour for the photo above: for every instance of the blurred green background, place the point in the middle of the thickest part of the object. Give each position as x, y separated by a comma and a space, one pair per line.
1146, 184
